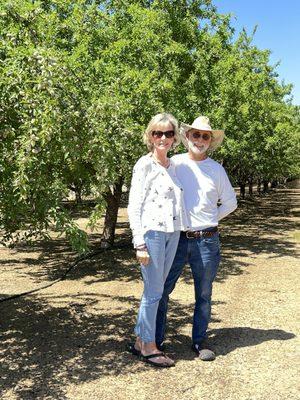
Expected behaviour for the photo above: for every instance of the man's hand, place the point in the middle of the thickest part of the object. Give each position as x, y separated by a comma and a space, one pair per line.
142, 255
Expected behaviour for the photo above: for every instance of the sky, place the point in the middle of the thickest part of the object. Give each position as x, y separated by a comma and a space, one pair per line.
278, 30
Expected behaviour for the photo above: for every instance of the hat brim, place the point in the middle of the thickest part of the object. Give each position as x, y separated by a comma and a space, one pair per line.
217, 136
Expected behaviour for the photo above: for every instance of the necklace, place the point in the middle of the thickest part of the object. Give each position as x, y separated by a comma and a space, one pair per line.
165, 164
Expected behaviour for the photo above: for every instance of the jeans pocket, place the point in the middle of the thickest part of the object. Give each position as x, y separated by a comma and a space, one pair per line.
212, 245
212, 239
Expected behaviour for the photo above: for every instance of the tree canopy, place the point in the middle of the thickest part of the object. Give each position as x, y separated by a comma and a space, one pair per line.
81, 79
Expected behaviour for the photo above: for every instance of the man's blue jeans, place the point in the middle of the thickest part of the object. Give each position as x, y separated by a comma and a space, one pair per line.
162, 248
203, 255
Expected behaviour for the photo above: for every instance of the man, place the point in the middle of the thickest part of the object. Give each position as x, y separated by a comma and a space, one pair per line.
205, 184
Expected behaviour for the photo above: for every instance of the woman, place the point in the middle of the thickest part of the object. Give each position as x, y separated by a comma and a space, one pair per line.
156, 215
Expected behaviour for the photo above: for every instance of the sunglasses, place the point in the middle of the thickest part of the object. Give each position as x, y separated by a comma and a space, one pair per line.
204, 136
159, 134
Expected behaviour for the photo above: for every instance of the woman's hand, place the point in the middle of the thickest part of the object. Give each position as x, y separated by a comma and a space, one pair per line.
142, 255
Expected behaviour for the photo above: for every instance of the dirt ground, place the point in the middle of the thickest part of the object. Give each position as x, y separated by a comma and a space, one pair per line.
68, 341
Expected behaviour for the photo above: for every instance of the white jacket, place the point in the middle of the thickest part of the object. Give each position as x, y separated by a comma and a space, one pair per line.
155, 199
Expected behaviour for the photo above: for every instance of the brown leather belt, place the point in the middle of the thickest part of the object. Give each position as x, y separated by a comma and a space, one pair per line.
199, 234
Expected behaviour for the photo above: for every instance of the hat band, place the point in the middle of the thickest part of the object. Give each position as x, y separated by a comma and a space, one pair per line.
202, 128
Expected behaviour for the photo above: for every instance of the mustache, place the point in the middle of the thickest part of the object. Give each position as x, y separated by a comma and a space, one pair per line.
201, 149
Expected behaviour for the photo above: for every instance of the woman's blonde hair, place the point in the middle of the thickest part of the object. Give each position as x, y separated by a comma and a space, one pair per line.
161, 119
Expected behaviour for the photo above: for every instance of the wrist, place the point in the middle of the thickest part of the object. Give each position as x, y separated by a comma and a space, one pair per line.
141, 247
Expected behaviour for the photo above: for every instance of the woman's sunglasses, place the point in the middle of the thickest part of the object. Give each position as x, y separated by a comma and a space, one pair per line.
159, 134
204, 136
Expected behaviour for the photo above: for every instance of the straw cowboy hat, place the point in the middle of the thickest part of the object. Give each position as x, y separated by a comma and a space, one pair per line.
202, 124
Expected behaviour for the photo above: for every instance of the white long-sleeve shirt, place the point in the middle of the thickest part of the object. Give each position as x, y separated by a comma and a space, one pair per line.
204, 183
155, 199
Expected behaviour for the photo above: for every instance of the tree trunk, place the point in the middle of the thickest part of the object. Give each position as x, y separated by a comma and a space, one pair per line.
259, 186
242, 190
266, 186
78, 195
250, 187
112, 198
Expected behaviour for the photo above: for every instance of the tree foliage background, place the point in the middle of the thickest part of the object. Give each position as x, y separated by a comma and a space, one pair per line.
81, 79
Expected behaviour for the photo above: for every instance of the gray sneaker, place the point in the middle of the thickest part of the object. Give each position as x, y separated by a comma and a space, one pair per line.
203, 351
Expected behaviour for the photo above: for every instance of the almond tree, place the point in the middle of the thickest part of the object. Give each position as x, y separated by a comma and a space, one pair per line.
80, 80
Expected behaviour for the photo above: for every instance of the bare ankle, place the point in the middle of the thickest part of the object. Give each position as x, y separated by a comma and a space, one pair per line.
149, 348
138, 343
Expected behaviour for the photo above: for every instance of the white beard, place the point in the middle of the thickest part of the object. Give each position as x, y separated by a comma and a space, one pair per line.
196, 150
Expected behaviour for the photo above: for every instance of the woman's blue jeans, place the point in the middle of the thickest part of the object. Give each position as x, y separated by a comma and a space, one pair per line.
162, 248
203, 255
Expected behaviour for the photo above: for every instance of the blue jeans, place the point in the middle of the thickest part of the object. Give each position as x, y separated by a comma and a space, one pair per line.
162, 248
203, 255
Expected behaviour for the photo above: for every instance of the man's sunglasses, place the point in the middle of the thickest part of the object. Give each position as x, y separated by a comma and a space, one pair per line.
159, 134
204, 136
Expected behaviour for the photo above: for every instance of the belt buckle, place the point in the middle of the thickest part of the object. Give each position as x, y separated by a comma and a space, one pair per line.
194, 234
188, 236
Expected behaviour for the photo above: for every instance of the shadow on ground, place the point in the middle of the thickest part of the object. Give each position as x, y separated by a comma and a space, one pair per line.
226, 340
44, 348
